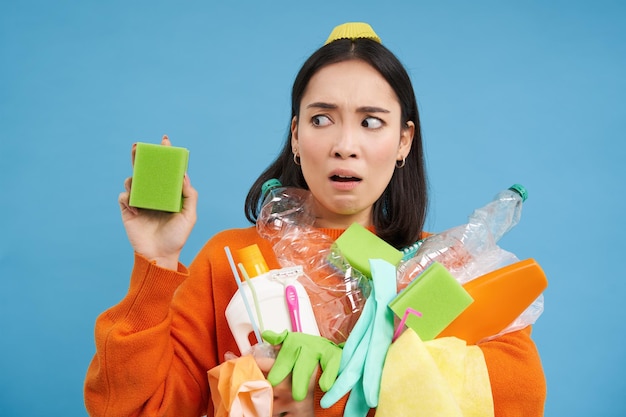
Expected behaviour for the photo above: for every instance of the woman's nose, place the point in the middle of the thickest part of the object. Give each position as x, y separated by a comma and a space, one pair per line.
346, 144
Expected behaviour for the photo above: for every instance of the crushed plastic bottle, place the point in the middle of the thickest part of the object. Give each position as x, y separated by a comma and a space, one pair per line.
471, 249
336, 290
283, 208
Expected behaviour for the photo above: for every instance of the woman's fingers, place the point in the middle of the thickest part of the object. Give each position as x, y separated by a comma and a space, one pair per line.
264, 364
188, 190
128, 183
124, 197
190, 199
133, 151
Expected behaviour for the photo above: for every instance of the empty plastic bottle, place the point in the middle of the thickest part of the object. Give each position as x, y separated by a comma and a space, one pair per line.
283, 208
471, 249
337, 292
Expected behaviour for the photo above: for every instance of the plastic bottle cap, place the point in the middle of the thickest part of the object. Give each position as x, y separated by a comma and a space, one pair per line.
252, 260
269, 184
521, 190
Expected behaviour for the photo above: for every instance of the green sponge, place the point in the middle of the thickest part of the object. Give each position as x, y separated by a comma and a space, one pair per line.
158, 176
437, 296
358, 245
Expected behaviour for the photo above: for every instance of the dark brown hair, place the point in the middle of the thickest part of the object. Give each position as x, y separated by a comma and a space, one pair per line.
400, 212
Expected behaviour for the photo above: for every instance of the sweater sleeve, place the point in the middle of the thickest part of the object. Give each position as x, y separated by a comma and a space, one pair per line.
140, 367
517, 379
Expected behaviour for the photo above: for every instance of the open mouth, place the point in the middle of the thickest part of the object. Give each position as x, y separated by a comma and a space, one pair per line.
343, 178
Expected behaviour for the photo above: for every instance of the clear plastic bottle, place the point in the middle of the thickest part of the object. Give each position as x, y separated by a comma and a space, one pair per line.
337, 292
503, 212
283, 209
471, 249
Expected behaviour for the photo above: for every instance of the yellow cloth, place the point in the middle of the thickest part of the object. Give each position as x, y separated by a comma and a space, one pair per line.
442, 377
238, 388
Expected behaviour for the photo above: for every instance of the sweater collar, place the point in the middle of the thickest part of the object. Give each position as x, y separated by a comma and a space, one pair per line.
335, 233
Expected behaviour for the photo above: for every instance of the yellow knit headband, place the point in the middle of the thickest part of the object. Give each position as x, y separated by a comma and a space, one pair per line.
353, 30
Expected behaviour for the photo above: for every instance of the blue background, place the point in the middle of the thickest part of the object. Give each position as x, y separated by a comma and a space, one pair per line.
526, 92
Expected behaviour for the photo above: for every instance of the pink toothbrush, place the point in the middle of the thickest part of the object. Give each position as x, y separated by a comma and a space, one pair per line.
294, 310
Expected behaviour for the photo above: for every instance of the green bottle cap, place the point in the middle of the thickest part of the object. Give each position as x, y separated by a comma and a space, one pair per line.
270, 184
521, 190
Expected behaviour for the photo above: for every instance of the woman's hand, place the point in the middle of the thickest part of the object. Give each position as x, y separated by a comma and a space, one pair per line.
159, 236
284, 404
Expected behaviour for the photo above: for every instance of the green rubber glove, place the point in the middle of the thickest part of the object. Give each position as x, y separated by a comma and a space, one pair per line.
299, 354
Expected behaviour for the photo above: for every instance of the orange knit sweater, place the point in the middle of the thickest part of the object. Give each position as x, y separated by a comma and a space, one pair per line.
154, 348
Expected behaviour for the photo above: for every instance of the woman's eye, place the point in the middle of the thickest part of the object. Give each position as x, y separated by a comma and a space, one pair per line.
320, 120
372, 123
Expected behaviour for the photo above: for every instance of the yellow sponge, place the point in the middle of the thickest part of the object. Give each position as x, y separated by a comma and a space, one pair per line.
158, 176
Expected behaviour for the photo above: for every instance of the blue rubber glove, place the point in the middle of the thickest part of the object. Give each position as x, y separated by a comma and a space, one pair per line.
353, 355
356, 406
300, 354
364, 353
384, 280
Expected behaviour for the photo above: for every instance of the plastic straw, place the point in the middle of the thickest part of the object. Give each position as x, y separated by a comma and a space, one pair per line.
257, 307
243, 294
404, 317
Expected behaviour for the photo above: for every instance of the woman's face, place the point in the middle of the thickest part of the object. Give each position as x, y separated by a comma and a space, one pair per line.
348, 137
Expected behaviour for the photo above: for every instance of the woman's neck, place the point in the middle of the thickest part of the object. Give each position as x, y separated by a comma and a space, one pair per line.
329, 219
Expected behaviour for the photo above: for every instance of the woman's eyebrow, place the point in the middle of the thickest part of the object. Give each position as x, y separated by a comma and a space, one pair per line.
364, 109
372, 109
321, 105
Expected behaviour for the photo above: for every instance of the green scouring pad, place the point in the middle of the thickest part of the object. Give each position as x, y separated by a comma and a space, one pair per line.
437, 296
358, 245
158, 176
